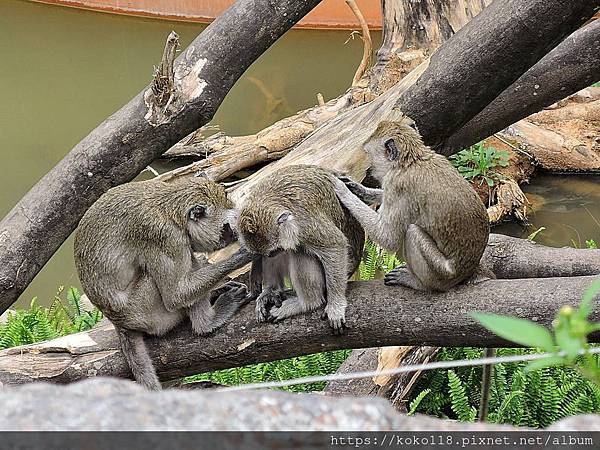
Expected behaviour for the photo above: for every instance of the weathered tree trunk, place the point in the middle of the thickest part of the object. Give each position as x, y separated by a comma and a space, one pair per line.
130, 139
573, 65
377, 315
423, 25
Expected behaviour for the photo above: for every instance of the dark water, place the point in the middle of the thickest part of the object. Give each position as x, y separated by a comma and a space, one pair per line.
567, 206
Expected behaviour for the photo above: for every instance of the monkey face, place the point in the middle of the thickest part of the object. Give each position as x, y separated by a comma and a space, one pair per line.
389, 145
208, 227
383, 153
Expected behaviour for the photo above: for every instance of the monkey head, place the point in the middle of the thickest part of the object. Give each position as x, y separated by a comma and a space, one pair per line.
207, 212
266, 230
392, 145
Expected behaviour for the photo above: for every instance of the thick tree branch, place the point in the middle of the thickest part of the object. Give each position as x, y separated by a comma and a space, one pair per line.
486, 56
377, 315
130, 139
510, 257
573, 65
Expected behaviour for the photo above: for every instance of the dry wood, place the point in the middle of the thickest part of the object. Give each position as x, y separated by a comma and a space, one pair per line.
368, 43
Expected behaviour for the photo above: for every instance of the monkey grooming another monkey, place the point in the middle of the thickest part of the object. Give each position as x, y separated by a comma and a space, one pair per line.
134, 253
429, 214
294, 220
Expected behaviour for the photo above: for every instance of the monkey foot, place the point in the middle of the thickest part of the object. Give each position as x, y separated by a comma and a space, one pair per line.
337, 322
267, 300
401, 276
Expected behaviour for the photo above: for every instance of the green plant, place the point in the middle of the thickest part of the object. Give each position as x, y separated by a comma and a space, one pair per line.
376, 261
38, 323
597, 84
301, 366
518, 396
569, 335
479, 163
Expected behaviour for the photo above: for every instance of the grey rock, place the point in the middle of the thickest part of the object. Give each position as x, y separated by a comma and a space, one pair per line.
115, 404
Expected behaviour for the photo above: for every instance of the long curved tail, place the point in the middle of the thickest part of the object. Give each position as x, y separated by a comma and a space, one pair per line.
135, 352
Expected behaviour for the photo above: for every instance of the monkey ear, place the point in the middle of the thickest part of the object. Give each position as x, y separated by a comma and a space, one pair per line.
284, 217
196, 212
391, 151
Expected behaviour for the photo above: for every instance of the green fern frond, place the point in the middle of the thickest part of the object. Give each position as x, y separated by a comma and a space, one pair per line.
459, 401
417, 401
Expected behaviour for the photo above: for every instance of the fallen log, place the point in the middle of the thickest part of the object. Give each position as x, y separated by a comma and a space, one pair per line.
185, 94
377, 315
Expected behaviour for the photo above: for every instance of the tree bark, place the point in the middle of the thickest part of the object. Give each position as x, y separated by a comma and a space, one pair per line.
512, 258
485, 57
573, 65
377, 315
130, 139
423, 24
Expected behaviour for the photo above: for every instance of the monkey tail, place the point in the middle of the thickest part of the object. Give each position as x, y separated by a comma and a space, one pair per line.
135, 352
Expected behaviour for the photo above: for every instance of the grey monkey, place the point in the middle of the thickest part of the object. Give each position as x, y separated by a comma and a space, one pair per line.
134, 253
294, 220
429, 213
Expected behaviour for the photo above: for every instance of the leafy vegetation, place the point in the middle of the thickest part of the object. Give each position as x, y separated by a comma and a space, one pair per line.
376, 262
64, 316
519, 396
479, 163
301, 366
569, 335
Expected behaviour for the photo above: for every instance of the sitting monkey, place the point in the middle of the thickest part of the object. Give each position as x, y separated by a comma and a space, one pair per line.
294, 220
429, 213
134, 253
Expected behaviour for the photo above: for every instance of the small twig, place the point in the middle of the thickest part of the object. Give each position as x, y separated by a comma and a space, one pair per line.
368, 43
515, 148
152, 170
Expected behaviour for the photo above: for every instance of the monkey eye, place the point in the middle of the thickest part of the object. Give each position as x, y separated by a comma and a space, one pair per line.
196, 212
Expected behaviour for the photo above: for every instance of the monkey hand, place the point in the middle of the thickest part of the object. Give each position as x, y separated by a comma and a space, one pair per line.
336, 318
265, 301
354, 187
232, 291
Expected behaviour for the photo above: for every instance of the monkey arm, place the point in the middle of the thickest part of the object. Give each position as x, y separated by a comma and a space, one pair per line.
182, 288
369, 219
